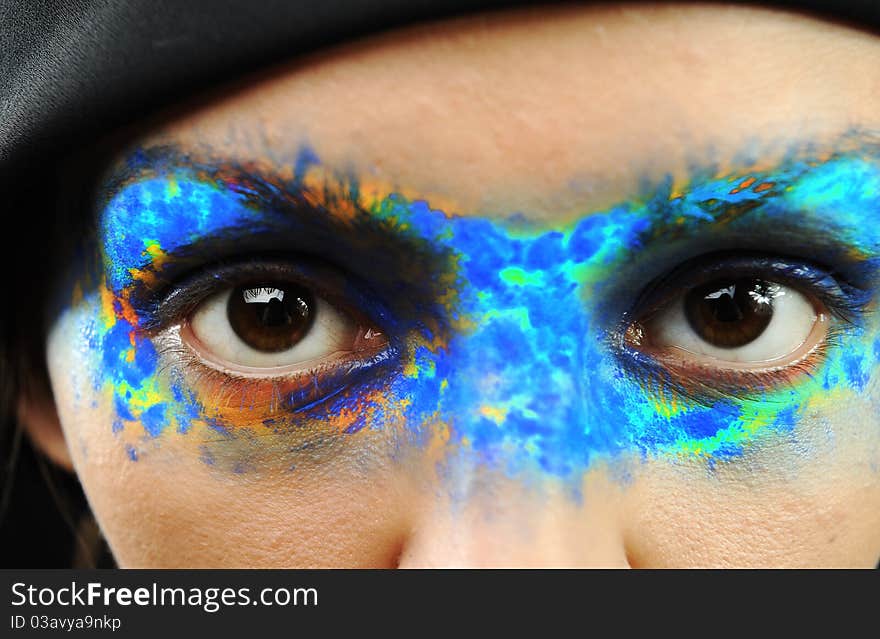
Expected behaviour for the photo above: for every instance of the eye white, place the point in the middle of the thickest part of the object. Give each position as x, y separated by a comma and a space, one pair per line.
331, 331
790, 326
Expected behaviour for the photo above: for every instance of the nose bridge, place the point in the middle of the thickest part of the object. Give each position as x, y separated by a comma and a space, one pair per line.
520, 391
519, 381
520, 491
521, 367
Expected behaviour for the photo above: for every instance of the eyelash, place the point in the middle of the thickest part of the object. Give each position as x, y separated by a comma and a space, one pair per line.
845, 303
172, 302
227, 390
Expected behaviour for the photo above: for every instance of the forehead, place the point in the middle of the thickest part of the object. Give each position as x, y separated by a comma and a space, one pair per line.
550, 113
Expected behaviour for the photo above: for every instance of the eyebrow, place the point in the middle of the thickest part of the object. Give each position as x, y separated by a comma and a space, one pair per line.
202, 211
162, 204
824, 209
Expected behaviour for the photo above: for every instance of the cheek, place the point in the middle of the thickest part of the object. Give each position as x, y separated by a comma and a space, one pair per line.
812, 499
160, 504
183, 515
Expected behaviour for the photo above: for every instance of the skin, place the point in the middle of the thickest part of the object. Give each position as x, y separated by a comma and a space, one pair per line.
552, 115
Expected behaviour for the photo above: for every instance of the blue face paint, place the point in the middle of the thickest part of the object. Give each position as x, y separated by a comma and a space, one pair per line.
514, 355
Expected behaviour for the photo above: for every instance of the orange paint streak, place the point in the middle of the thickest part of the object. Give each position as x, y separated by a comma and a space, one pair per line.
743, 185
108, 310
143, 276
124, 310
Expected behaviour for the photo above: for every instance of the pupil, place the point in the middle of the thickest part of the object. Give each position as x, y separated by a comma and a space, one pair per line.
726, 309
730, 313
273, 313
271, 317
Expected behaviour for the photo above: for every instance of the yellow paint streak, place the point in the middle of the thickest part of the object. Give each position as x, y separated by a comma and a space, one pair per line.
172, 188
155, 251
108, 312
410, 370
496, 414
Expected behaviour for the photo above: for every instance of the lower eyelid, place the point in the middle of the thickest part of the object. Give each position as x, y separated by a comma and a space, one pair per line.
241, 400
703, 384
819, 338
182, 334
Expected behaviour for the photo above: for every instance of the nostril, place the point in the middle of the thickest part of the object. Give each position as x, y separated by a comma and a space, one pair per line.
631, 556
397, 551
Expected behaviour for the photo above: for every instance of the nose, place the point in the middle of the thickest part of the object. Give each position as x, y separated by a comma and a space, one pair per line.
520, 486
506, 523
532, 403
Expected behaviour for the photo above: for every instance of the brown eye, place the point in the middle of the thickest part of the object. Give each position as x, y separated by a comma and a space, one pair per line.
730, 313
732, 323
270, 317
274, 327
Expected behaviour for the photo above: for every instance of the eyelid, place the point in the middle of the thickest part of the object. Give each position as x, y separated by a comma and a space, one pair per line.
843, 300
182, 298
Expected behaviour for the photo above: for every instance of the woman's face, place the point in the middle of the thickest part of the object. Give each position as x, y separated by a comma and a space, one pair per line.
584, 287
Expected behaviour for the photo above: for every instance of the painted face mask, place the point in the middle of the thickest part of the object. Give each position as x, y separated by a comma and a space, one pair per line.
537, 350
